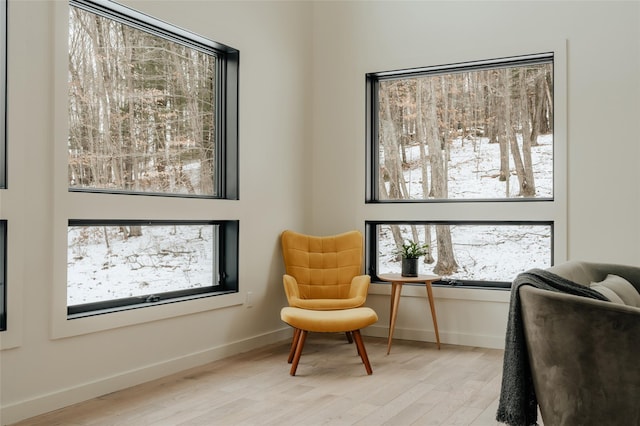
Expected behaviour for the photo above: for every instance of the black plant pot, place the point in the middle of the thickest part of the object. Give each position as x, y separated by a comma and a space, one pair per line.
409, 267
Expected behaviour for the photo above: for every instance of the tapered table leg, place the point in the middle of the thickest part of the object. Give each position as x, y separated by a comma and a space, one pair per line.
433, 312
396, 281
396, 289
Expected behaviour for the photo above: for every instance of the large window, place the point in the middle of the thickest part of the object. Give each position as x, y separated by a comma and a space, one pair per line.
3, 93
3, 159
134, 264
3, 275
477, 140
152, 110
469, 253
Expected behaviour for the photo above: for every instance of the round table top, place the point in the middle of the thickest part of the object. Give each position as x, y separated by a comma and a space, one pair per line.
421, 278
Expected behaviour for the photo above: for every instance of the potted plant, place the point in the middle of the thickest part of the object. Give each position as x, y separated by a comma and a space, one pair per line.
411, 252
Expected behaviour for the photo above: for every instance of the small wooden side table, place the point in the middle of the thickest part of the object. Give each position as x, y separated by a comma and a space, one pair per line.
396, 281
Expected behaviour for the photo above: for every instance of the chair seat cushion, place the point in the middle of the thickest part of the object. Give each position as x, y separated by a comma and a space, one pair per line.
329, 321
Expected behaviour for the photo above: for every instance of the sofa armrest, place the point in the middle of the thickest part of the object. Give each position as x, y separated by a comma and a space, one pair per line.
583, 356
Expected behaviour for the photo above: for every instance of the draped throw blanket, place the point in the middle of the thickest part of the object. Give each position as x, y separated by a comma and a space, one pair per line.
518, 405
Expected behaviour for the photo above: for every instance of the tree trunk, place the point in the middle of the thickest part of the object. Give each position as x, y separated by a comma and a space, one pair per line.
503, 134
135, 231
397, 239
427, 238
521, 158
391, 147
446, 263
422, 140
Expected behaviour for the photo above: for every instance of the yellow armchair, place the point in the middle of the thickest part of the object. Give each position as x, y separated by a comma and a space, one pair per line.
324, 273
325, 289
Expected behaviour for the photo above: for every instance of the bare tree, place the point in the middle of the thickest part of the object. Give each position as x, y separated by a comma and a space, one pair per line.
141, 110
446, 264
135, 231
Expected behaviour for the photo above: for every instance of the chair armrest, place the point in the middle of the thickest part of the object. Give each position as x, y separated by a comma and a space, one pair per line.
357, 295
291, 289
360, 287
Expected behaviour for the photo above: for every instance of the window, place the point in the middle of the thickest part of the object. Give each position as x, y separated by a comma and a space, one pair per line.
151, 152
476, 253
3, 275
134, 264
3, 160
472, 141
152, 109
469, 132
3, 94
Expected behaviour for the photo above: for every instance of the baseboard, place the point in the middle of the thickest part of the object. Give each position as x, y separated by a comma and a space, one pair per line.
52, 401
482, 341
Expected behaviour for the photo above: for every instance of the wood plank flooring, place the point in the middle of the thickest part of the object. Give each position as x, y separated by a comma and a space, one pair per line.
415, 385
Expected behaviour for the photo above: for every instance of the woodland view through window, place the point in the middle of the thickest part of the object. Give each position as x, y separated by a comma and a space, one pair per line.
152, 110
484, 253
464, 134
144, 109
129, 263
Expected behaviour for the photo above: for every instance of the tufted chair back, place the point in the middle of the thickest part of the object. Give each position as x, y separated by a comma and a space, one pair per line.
323, 267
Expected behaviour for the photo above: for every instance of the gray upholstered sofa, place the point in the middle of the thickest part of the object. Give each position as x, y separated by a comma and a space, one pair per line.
584, 354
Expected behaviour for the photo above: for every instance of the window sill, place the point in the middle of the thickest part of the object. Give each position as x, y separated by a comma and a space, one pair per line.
115, 309
446, 292
63, 327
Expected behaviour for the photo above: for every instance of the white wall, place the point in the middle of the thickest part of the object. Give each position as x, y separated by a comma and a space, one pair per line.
40, 372
302, 167
602, 42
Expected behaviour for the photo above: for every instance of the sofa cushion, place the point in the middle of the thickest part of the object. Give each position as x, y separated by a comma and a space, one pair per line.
623, 291
607, 292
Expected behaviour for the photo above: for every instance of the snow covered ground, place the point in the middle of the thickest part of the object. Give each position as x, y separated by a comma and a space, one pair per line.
483, 252
474, 168
163, 258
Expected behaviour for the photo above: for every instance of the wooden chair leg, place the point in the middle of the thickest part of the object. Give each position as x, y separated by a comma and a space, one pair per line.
294, 343
349, 337
350, 334
362, 351
299, 346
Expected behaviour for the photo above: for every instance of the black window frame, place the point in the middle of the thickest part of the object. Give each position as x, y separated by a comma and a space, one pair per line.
227, 93
371, 247
3, 92
226, 169
3, 159
440, 209
227, 244
3, 275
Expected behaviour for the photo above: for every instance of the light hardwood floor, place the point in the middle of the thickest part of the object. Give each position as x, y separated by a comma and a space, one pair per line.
415, 385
